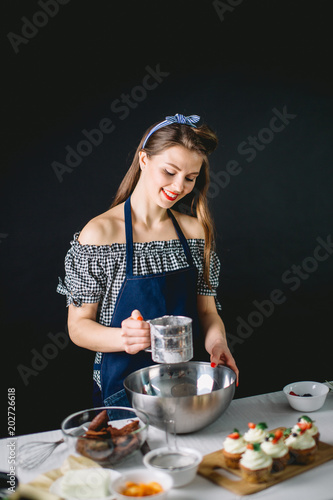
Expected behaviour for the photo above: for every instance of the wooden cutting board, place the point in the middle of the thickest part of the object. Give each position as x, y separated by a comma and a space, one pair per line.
213, 461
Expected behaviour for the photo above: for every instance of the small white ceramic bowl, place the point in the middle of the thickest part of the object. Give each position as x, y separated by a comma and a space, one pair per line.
142, 476
180, 475
306, 403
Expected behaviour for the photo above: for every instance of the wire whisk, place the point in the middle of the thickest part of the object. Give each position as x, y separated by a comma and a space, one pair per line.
32, 454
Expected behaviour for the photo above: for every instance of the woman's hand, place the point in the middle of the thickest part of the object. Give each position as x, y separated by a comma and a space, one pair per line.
215, 337
135, 333
221, 355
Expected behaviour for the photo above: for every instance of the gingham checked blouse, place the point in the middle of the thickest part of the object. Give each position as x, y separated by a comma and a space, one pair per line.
96, 273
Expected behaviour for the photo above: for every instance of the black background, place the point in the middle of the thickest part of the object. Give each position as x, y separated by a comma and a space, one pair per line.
232, 69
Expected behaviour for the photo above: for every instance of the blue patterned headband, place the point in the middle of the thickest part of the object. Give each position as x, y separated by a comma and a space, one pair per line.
187, 120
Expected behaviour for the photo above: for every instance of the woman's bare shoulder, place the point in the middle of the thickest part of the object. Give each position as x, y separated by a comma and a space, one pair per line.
105, 229
190, 226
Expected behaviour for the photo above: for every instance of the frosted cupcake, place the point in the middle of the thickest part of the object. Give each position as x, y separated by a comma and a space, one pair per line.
233, 448
275, 447
313, 429
255, 465
256, 432
302, 446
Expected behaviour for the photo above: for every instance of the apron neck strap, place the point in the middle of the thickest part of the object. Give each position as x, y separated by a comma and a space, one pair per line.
129, 238
182, 239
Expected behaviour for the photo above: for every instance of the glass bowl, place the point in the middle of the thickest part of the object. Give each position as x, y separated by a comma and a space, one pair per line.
108, 435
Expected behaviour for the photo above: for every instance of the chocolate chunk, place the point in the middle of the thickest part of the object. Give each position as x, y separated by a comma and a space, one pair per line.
100, 421
127, 429
103, 433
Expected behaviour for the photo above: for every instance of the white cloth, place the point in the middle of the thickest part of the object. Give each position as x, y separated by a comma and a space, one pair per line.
271, 408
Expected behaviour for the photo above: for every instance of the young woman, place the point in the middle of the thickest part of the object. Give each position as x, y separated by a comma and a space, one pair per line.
141, 260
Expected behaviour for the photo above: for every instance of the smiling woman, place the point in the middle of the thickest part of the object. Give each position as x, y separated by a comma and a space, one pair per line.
172, 172
141, 260
201, 141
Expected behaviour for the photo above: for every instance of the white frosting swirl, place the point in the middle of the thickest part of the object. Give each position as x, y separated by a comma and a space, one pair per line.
255, 460
234, 445
255, 435
275, 450
313, 429
301, 441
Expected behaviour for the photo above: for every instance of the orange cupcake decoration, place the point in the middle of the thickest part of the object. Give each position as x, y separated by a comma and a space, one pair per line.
277, 436
304, 426
234, 435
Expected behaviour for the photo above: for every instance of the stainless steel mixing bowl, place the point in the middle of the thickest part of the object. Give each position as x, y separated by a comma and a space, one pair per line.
192, 394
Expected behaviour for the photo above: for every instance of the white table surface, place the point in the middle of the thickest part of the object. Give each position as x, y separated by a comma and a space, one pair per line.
271, 408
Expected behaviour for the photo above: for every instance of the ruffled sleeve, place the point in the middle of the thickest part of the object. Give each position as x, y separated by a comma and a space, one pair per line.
214, 271
85, 280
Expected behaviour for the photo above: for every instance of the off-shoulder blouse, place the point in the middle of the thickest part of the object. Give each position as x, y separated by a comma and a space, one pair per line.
95, 273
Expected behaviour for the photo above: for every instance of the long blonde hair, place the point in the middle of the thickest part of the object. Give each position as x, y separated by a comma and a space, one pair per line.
201, 140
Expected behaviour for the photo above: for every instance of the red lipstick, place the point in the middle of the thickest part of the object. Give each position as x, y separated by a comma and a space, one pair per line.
170, 198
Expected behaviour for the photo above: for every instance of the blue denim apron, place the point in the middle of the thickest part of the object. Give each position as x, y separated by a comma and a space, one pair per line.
154, 295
